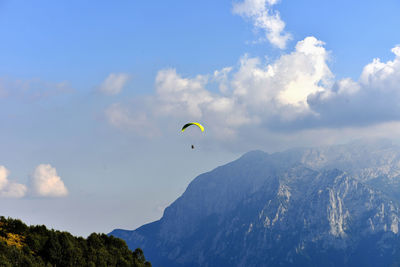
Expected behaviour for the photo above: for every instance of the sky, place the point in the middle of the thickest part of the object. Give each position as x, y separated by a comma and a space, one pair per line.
93, 95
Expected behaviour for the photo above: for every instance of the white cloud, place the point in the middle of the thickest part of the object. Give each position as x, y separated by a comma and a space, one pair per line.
46, 182
296, 91
375, 98
8, 188
3, 177
114, 83
14, 190
179, 94
380, 75
256, 93
287, 81
188, 98
265, 18
221, 77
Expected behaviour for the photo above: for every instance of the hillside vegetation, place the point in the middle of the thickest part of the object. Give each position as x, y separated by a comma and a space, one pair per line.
22, 245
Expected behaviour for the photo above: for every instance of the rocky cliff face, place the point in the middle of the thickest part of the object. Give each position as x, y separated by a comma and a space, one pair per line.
331, 206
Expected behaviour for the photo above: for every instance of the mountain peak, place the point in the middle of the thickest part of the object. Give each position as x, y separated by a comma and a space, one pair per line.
253, 155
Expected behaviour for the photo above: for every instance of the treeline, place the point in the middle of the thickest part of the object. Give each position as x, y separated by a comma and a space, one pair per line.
22, 245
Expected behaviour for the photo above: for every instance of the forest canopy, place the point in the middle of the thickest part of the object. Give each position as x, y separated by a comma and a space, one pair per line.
22, 245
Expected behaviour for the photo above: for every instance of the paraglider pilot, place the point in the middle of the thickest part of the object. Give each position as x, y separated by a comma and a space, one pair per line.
192, 123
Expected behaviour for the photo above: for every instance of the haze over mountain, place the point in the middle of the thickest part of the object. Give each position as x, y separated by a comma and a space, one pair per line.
328, 206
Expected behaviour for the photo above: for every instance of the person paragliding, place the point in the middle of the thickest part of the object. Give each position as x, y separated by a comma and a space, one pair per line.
190, 124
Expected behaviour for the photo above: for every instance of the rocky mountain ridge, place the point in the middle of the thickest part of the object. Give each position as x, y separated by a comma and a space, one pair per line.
330, 206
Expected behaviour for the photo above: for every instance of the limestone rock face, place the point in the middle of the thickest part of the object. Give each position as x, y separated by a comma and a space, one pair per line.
329, 206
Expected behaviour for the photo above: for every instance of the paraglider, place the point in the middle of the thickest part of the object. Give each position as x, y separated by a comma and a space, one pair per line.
192, 123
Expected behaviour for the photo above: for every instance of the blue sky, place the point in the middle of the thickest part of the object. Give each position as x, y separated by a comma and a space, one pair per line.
93, 93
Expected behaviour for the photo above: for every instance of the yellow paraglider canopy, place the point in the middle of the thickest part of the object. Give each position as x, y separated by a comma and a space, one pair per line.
193, 123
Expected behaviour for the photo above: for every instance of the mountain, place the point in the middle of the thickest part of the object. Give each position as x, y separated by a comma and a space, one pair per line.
22, 245
327, 206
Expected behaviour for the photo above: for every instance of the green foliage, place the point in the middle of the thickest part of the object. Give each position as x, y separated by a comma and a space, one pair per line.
22, 245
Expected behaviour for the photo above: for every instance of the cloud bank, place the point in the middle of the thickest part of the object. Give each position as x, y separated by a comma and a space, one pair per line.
294, 93
265, 18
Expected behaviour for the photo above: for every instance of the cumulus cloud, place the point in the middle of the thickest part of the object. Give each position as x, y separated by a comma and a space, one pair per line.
221, 77
288, 80
256, 93
253, 93
46, 182
258, 100
374, 98
188, 98
114, 83
8, 188
264, 18
297, 91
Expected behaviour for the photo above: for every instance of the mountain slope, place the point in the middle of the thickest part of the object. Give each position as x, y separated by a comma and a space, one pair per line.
293, 208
